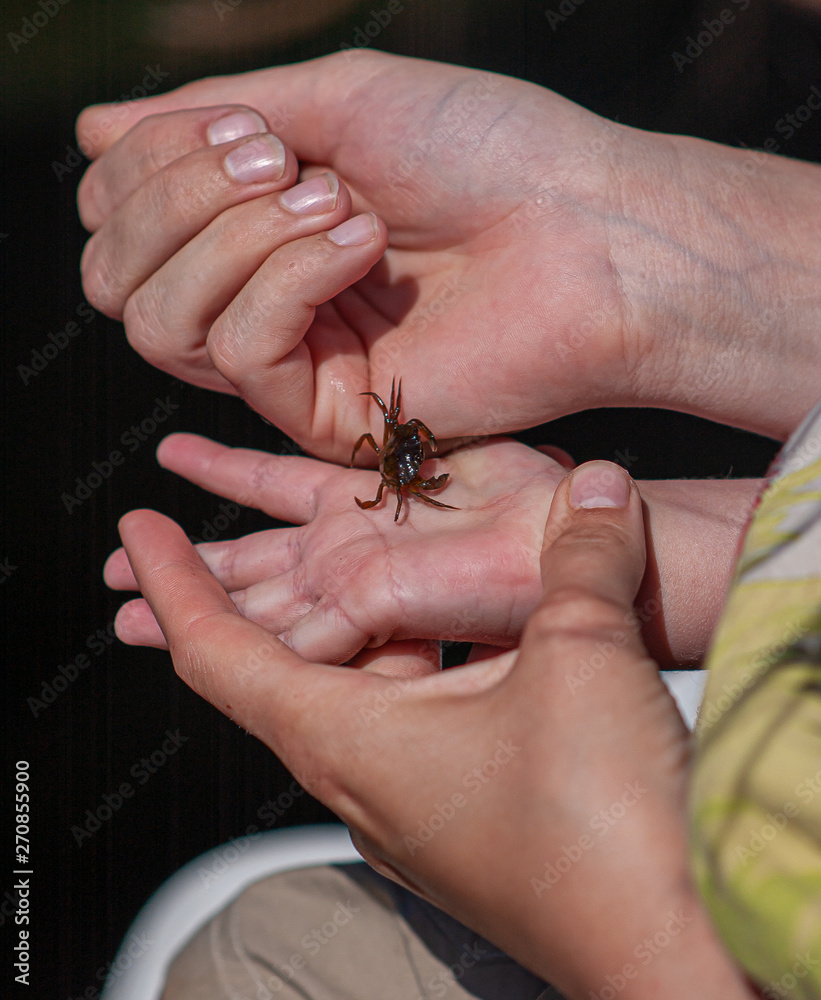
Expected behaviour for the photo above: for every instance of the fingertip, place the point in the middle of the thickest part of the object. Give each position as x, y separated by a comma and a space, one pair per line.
136, 625
599, 484
171, 446
135, 523
359, 231
117, 570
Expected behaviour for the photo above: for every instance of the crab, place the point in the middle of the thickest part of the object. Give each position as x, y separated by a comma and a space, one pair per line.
401, 455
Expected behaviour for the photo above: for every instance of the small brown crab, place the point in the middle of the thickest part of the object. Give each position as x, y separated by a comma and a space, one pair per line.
401, 456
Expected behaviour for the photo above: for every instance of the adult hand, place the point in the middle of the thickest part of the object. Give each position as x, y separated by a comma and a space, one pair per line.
525, 804
349, 578
542, 260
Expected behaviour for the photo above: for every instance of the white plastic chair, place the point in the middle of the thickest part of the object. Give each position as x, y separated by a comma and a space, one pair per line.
197, 892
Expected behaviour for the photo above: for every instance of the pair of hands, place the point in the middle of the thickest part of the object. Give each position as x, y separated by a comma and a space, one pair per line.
222, 283
514, 289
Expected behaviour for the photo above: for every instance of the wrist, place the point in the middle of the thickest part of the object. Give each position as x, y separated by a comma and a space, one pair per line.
723, 280
694, 529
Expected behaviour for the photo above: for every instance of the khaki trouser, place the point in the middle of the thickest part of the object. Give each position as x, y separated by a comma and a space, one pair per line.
342, 933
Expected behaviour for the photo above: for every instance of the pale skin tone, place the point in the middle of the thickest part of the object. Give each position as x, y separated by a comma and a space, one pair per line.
596, 264
410, 580
385, 771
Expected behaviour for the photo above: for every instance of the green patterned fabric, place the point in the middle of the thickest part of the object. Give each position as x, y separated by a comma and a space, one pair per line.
756, 794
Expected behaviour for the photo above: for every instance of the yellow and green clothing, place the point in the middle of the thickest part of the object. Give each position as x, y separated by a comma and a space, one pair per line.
756, 791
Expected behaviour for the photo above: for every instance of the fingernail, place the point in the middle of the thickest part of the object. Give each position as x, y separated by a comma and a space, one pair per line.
258, 160
312, 197
599, 484
356, 232
235, 126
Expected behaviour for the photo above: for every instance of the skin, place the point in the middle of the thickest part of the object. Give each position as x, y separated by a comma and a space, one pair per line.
596, 265
410, 580
385, 771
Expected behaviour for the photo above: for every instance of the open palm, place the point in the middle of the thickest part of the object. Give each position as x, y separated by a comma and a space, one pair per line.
350, 578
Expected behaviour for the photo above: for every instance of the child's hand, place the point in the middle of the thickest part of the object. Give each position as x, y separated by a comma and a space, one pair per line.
350, 578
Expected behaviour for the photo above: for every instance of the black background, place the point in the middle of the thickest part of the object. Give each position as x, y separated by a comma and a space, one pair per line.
613, 57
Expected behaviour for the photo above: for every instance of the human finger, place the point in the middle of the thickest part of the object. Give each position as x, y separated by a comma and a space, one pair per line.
565, 459
308, 101
258, 344
169, 316
155, 142
593, 556
172, 206
136, 625
221, 655
287, 487
237, 563
403, 660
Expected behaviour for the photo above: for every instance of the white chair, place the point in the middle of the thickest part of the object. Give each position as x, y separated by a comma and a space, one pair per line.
197, 892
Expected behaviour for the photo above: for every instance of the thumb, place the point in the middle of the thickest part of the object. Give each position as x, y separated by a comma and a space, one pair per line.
592, 564
594, 537
304, 104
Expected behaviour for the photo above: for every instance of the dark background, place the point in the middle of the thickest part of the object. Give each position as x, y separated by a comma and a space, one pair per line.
93, 725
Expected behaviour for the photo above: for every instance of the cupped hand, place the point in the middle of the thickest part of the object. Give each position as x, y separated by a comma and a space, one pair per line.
497, 300
542, 260
544, 810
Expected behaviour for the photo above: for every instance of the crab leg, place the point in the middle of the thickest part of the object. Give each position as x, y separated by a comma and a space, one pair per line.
366, 504
360, 442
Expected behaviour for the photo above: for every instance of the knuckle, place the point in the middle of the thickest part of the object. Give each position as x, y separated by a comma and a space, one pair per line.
143, 328
224, 349
574, 609
100, 284
91, 201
